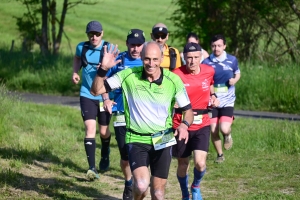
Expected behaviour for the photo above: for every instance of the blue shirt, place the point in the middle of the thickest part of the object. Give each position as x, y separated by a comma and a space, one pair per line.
126, 62
225, 67
89, 72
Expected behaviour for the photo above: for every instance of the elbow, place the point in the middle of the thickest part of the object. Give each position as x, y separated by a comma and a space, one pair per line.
94, 92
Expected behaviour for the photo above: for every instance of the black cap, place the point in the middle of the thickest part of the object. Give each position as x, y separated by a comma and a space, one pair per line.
160, 30
136, 36
190, 47
94, 26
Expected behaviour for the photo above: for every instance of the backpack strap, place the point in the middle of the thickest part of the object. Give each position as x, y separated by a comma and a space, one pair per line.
123, 54
173, 58
102, 51
85, 48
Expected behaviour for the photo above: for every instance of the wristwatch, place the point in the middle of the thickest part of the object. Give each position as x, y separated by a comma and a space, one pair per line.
214, 94
186, 123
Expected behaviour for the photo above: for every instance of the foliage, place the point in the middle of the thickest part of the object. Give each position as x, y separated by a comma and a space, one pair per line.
44, 13
257, 28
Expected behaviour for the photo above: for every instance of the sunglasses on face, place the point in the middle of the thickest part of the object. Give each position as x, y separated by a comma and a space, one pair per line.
94, 33
157, 36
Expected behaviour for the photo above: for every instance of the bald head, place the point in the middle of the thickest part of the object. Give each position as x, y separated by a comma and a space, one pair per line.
160, 25
149, 46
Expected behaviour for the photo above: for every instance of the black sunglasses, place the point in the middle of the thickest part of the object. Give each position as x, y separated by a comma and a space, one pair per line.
94, 33
157, 36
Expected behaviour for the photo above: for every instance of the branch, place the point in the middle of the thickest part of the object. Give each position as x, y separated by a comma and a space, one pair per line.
294, 8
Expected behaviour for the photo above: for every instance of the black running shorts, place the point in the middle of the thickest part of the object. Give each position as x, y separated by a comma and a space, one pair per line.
90, 110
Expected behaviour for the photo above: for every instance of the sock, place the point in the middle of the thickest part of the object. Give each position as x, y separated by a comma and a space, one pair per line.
197, 177
90, 148
128, 183
184, 184
105, 146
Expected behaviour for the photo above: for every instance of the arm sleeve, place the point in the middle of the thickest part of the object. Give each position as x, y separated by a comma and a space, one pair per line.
181, 95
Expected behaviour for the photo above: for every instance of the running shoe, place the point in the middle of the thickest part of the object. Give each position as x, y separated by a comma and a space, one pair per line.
104, 162
127, 193
196, 193
185, 198
228, 142
220, 159
92, 174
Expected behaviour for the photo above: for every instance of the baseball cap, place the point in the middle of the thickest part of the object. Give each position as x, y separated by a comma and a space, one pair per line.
160, 30
136, 36
190, 47
93, 26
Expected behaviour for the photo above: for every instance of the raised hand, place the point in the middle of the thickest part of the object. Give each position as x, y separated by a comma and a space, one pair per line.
109, 57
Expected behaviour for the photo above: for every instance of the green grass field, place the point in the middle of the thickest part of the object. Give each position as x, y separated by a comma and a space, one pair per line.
42, 157
117, 17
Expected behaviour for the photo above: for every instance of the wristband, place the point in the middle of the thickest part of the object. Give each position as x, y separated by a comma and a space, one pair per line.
101, 72
186, 123
104, 99
214, 94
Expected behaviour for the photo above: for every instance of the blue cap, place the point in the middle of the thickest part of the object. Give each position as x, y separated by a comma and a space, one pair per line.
94, 26
136, 36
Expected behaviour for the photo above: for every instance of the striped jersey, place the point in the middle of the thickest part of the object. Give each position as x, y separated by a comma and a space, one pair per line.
225, 67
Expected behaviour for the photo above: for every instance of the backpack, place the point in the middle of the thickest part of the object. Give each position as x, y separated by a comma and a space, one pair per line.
122, 59
85, 48
173, 58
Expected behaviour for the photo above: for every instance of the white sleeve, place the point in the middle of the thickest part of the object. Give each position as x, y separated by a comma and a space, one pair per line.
114, 82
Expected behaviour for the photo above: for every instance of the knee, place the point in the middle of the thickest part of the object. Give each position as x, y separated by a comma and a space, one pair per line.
201, 165
226, 130
141, 186
183, 165
158, 194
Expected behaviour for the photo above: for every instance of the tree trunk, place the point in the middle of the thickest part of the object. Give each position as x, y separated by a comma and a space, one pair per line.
53, 28
44, 35
61, 27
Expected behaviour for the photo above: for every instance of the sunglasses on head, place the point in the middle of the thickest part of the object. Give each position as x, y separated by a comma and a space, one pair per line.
157, 36
94, 33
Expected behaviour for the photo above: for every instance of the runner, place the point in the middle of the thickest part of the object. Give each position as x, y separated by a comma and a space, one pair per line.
149, 94
198, 81
227, 74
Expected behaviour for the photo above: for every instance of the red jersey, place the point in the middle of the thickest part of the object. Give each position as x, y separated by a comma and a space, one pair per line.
198, 90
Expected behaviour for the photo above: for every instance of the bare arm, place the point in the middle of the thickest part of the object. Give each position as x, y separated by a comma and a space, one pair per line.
76, 68
234, 80
182, 129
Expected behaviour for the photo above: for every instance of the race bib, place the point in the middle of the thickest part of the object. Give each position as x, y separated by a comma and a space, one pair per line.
163, 139
220, 88
197, 119
119, 120
101, 108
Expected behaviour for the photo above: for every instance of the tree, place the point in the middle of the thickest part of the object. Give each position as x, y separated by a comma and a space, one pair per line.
38, 24
269, 29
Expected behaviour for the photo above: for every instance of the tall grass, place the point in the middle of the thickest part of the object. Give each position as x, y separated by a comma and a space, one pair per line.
42, 156
269, 87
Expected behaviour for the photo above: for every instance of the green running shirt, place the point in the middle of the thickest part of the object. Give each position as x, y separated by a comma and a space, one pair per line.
148, 106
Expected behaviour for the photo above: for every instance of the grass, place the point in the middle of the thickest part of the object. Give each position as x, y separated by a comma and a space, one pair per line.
262, 87
42, 157
117, 17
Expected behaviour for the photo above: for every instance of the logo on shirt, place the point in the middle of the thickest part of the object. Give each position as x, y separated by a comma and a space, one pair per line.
186, 84
205, 85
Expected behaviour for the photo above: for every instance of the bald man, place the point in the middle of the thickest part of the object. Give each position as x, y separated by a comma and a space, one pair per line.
150, 93
171, 55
